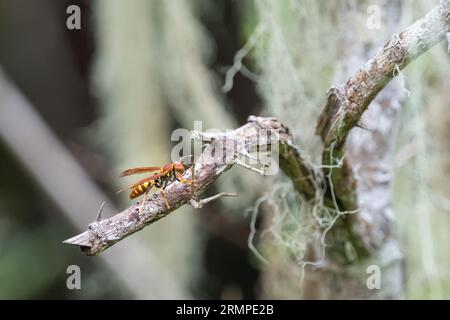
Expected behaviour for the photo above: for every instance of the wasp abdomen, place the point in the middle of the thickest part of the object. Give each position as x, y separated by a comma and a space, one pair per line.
140, 189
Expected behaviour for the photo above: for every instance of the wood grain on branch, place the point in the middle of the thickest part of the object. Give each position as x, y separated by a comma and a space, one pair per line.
208, 167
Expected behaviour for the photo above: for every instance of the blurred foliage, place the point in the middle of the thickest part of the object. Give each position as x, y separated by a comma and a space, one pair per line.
24, 268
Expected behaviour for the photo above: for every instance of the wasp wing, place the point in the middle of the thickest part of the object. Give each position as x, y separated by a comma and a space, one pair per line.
148, 179
137, 170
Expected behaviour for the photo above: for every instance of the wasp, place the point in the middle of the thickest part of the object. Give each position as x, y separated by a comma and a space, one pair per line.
161, 178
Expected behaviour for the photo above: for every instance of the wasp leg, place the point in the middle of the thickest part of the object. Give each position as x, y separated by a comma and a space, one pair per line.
165, 198
183, 180
141, 208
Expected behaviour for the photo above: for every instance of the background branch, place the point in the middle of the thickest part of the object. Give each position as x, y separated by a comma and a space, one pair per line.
347, 102
359, 163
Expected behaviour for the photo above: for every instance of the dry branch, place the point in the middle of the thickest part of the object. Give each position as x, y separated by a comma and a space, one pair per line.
347, 102
60, 176
208, 167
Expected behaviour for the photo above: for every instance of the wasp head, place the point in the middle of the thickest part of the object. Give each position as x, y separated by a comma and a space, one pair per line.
179, 166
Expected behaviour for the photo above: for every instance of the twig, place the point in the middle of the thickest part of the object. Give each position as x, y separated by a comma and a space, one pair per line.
197, 204
99, 213
246, 166
215, 159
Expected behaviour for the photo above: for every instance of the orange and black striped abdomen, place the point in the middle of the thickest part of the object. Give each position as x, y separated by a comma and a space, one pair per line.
141, 189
